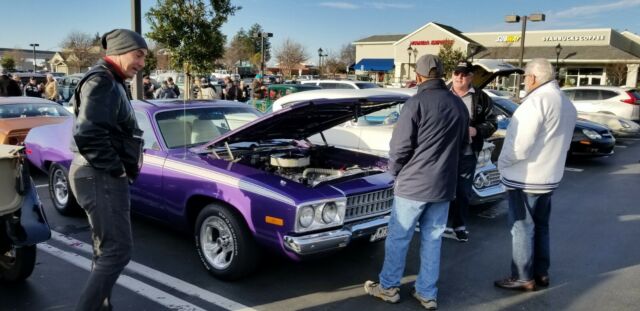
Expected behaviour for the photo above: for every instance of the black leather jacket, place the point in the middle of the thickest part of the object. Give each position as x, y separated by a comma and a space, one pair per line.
482, 118
106, 132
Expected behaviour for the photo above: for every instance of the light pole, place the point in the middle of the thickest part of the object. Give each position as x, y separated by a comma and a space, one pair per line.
409, 51
536, 17
262, 35
320, 56
558, 50
34, 45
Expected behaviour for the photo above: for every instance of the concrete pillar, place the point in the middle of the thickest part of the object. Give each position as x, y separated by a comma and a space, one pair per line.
632, 74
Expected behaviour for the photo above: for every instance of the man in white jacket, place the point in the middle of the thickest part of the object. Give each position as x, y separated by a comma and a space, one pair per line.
531, 164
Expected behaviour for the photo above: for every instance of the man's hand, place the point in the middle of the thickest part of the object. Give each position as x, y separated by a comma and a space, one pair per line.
472, 132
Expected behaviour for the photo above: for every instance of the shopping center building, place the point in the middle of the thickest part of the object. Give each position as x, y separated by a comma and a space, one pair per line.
602, 56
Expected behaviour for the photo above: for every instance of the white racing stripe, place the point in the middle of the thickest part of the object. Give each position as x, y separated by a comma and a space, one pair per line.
140, 288
571, 169
160, 277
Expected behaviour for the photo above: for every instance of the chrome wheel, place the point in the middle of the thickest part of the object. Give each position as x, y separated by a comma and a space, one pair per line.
218, 246
60, 187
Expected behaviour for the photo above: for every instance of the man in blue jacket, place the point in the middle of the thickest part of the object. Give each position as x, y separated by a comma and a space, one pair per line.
424, 151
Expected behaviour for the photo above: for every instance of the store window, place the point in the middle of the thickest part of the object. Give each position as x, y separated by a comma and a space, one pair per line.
584, 76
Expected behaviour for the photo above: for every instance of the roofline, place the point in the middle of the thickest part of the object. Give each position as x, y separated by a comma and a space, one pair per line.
425, 26
576, 61
373, 42
536, 31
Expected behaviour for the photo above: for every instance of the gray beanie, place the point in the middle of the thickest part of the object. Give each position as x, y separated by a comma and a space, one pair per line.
121, 41
427, 62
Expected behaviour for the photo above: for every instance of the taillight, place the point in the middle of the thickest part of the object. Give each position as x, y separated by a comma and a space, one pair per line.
631, 100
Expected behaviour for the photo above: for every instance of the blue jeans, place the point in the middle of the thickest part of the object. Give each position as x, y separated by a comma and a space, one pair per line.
529, 221
404, 216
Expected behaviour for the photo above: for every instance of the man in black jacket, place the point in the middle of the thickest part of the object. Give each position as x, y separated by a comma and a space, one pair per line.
107, 157
482, 125
423, 157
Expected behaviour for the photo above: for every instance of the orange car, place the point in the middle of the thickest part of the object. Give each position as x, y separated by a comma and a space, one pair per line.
19, 114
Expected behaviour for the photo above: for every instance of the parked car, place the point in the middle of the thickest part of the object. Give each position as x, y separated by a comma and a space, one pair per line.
67, 85
19, 114
237, 179
619, 101
275, 91
619, 126
589, 138
340, 84
371, 134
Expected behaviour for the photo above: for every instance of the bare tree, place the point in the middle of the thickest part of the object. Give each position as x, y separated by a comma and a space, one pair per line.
348, 54
333, 64
82, 48
290, 55
617, 73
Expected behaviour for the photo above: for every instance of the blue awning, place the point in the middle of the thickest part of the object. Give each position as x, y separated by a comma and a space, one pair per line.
374, 64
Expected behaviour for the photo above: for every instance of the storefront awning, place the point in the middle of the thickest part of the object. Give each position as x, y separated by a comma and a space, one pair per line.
374, 64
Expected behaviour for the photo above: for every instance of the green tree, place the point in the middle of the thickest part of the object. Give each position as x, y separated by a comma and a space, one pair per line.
190, 30
8, 63
252, 33
450, 57
150, 62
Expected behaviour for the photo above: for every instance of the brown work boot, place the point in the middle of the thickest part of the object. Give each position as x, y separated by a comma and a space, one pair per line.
515, 284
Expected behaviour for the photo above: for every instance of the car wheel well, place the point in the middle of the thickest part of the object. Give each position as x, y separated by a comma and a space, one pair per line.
196, 203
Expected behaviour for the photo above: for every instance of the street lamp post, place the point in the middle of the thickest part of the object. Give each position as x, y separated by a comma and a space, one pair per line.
320, 56
34, 45
558, 50
262, 35
536, 17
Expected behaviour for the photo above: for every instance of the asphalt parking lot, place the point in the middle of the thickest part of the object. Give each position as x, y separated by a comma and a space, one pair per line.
595, 260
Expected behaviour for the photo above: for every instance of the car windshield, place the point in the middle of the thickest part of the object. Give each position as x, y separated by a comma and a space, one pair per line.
506, 104
32, 110
195, 126
367, 85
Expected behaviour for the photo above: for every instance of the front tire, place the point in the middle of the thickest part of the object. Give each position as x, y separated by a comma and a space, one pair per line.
225, 245
60, 191
17, 263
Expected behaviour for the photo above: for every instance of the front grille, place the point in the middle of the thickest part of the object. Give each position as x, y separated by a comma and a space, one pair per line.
369, 204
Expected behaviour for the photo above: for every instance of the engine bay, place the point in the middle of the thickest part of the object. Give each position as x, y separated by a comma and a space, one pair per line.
310, 166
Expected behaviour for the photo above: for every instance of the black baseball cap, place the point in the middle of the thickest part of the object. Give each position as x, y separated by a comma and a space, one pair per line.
463, 67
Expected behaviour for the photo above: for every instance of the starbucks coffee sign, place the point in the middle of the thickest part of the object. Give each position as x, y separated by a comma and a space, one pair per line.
574, 38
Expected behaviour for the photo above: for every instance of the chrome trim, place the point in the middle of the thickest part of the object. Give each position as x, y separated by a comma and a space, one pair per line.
332, 240
369, 204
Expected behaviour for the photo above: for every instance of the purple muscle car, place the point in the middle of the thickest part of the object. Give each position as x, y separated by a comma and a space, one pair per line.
239, 181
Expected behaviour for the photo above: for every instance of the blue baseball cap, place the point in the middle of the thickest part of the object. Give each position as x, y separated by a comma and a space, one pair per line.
259, 76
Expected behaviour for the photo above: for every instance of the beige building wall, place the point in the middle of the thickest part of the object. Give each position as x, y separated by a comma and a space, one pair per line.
374, 50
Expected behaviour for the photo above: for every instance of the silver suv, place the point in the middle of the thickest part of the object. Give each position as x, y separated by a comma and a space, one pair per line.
620, 101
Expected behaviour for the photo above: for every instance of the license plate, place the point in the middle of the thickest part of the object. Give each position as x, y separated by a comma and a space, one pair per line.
380, 234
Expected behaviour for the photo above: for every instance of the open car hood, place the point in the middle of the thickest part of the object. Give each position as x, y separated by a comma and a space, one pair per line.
311, 112
485, 70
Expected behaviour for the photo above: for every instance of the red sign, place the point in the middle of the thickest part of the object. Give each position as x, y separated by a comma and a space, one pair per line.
431, 42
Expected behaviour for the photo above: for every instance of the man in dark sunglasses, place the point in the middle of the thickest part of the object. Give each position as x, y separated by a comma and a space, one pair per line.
482, 125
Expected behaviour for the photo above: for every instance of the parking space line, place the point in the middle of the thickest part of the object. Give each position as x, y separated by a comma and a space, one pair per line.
160, 277
138, 287
42, 186
572, 169
621, 146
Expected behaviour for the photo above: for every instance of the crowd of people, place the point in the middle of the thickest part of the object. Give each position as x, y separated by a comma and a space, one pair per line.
32, 88
230, 89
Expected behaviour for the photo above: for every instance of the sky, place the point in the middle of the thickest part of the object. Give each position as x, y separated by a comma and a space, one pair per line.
316, 24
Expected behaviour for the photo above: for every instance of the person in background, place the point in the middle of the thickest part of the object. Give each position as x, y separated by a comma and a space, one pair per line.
243, 91
230, 91
173, 86
531, 164
9, 86
107, 148
425, 146
16, 78
482, 126
258, 90
51, 89
165, 91
206, 91
147, 88
32, 89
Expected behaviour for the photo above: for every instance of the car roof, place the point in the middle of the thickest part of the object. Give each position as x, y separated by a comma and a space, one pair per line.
335, 94
162, 104
24, 100
332, 81
594, 87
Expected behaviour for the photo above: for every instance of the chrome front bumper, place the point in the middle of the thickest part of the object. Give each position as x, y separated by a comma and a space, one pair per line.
335, 239
487, 194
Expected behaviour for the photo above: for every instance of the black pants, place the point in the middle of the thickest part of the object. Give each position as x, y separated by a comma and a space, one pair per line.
106, 201
460, 206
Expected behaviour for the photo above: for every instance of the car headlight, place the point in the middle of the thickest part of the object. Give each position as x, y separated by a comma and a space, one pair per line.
591, 134
320, 215
329, 212
307, 214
